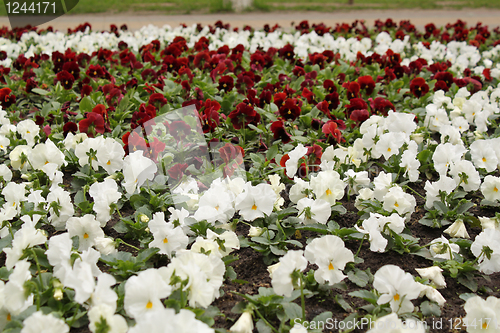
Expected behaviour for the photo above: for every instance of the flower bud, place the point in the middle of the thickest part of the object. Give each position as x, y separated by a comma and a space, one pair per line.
457, 230
255, 232
244, 324
144, 218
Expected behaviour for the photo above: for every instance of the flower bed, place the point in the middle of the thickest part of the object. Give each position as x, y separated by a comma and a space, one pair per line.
175, 180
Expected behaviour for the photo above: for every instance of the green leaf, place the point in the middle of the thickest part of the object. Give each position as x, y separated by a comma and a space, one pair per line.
430, 309
146, 254
342, 302
467, 281
464, 207
271, 152
359, 277
5, 242
86, 105
277, 251
366, 295
40, 91
257, 158
262, 327
292, 310
230, 273
339, 208
466, 296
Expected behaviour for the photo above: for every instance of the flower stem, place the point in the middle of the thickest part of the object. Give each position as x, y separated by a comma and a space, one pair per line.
302, 299
408, 187
125, 243
360, 244
265, 321
38, 268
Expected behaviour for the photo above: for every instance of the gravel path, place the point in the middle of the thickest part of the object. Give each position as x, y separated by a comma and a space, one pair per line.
419, 18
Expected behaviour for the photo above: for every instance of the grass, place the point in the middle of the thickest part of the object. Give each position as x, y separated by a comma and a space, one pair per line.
216, 6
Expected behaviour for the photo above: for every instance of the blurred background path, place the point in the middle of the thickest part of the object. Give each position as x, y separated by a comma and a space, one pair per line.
418, 17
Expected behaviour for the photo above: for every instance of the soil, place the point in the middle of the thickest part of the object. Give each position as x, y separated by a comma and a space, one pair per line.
251, 268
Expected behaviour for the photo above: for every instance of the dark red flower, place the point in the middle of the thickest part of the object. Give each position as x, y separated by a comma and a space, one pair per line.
177, 171
92, 124
290, 110
356, 104
287, 52
232, 156
157, 100
244, 115
66, 79
70, 127
441, 85
226, 83
72, 68
359, 115
178, 129
332, 100
155, 148
352, 89
279, 99
309, 96
381, 105
95, 71
367, 84
86, 90
257, 62
447, 77
230, 152
419, 87
279, 132
298, 71
209, 117
331, 131
329, 86
6, 98
30, 85
58, 59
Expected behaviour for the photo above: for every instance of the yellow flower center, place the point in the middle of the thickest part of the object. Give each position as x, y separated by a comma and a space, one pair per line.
495, 189
396, 297
85, 235
254, 207
484, 326
9, 317
217, 207
389, 149
109, 162
330, 267
165, 240
396, 204
328, 192
149, 305
484, 159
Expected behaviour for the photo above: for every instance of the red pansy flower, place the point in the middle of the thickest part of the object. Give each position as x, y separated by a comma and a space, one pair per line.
92, 124
367, 84
244, 115
332, 132
279, 132
66, 79
290, 110
419, 87
226, 83
6, 98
